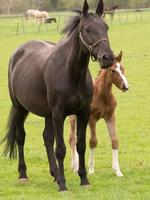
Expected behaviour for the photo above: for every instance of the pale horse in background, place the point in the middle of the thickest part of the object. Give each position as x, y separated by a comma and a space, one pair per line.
39, 16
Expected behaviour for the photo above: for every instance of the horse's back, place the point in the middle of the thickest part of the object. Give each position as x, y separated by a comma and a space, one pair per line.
30, 56
26, 71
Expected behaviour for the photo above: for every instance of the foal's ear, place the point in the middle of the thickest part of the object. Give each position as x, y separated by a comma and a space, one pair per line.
85, 8
100, 8
119, 57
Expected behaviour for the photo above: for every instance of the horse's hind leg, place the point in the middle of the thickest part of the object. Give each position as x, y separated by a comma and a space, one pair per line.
72, 142
48, 136
92, 143
20, 139
115, 144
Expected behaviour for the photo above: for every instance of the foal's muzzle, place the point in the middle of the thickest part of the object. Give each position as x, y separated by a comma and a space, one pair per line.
124, 88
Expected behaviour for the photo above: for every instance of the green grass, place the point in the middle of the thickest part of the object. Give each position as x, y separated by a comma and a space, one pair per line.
133, 124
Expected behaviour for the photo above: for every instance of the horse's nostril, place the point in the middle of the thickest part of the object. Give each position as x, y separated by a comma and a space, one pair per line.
105, 57
106, 60
124, 87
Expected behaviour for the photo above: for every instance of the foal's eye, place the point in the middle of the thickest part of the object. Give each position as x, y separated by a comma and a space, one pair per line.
113, 70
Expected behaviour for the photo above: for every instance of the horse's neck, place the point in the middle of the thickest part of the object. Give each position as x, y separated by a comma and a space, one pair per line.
77, 62
104, 85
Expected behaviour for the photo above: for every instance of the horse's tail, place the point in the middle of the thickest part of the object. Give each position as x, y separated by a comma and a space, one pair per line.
10, 138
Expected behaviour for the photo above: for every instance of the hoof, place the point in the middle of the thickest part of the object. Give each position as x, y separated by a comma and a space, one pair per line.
23, 180
85, 186
63, 189
91, 171
85, 182
119, 174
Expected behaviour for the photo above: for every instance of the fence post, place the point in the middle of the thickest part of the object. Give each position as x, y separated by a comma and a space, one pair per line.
17, 30
23, 27
39, 29
58, 23
119, 17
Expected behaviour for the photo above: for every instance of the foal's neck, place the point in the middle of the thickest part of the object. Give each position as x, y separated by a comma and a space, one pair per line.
104, 84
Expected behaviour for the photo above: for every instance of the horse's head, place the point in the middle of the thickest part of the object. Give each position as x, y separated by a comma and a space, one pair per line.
117, 74
93, 35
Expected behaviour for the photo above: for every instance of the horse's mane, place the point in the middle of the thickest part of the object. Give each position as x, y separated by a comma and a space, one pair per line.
72, 23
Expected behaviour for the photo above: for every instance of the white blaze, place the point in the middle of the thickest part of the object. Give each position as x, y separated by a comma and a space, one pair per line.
122, 75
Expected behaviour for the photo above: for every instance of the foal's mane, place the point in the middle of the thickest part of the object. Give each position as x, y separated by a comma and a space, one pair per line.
99, 72
72, 23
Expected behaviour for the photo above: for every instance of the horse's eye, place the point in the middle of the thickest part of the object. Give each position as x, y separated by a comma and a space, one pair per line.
87, 30
113, 70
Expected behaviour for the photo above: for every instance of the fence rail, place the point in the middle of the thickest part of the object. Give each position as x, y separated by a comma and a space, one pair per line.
16, 24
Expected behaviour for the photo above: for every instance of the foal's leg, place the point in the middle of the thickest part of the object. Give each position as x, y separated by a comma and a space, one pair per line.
48, 136
92, 143
58, 123
20, 140
111, 125
82, 120
72, 142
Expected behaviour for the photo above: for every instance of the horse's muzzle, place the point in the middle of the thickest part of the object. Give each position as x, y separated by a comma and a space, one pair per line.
106, 61
105, 64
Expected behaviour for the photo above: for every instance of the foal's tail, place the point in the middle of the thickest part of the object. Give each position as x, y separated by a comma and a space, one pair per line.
10, 138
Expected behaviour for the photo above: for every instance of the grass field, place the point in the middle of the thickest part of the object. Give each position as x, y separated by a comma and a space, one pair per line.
133, 124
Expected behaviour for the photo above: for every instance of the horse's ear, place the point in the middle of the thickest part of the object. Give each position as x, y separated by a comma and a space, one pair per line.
100, 8
85, 8
119, 57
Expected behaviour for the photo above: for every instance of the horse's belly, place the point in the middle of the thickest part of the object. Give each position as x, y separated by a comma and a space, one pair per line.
32, 102
32, 96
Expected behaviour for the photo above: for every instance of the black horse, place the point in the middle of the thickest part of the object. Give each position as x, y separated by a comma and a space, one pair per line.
53, 81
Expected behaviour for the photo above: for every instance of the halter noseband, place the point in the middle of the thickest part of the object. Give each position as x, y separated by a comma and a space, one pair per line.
90, 47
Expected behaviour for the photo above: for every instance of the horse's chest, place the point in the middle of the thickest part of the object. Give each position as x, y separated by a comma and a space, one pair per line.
75, 103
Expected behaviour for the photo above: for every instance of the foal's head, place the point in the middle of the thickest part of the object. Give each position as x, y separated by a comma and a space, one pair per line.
93, 35
117, 74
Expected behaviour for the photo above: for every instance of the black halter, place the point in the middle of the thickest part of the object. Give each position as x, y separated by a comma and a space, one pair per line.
90, 47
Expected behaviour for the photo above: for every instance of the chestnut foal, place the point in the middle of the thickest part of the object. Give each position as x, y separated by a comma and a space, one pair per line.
103, 106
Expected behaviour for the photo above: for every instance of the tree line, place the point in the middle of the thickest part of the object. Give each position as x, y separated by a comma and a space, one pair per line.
20, 6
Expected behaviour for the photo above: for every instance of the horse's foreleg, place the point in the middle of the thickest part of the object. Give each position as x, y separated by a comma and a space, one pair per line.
111, 125
82, 120
48, 136
58, 123
72, 142
92, 143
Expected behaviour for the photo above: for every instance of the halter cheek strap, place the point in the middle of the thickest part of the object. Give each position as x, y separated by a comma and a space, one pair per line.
90, 47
